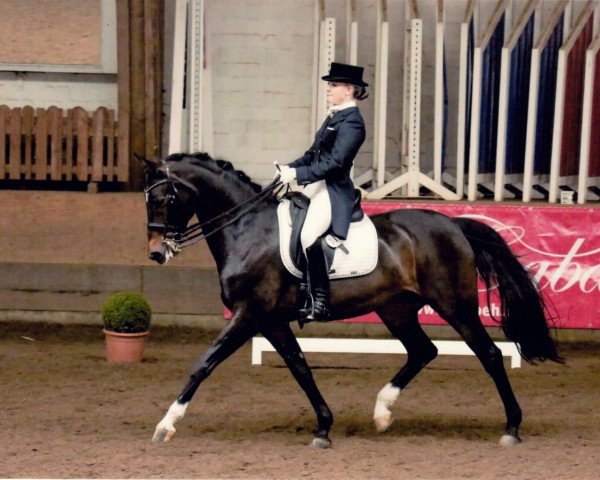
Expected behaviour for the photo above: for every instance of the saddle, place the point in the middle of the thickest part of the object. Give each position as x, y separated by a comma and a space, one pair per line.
352, 257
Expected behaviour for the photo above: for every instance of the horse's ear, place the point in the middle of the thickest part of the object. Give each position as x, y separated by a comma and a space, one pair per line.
149, 165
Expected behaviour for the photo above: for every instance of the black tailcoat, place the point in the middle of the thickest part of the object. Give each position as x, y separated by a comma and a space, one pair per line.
330, 158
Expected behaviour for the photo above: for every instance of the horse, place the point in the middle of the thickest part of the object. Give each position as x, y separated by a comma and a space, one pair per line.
424, 258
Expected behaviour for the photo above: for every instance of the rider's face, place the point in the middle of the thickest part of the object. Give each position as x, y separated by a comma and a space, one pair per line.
338, 93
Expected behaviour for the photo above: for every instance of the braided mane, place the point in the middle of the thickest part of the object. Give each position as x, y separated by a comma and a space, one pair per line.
222, 164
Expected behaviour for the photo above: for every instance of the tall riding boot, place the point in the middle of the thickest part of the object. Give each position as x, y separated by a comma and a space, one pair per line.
303, 298
318, 279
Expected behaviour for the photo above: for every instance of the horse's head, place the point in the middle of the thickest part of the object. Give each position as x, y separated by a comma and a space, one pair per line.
185, 185
169, 206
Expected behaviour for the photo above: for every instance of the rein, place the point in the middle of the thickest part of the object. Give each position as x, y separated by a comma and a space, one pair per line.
195, 233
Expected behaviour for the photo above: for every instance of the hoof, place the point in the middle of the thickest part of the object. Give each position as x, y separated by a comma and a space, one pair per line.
509, 441
383, 422
162, 435
319, 442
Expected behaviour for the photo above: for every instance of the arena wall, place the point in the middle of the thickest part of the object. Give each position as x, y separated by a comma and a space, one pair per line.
63, 254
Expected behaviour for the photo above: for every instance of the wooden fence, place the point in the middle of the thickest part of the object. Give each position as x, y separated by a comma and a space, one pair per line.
54, 144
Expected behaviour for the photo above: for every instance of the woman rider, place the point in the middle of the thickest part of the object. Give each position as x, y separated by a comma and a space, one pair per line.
324, 172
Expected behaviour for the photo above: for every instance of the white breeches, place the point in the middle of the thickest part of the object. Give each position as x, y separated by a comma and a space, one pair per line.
318, 217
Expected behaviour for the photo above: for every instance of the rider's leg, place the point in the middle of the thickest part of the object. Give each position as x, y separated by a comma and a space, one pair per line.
318, 221
319, 281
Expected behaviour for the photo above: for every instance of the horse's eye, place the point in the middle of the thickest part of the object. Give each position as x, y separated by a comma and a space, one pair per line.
154, 201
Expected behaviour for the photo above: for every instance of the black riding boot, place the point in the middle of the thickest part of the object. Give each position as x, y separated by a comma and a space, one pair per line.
318, 280
303, 298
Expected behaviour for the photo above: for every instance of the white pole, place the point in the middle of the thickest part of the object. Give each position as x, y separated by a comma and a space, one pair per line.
176, 130
438, 133
475, 114
534, 81
462, 109
195, 73
563, 54
351, 33
558, 125
319, 17
414, 138
586, 127
502, 125
326, 56
382, 85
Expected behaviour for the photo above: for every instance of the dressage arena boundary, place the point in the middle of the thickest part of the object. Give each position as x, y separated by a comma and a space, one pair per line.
381, 346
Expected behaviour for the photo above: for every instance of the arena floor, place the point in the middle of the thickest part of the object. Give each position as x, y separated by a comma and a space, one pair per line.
68, 413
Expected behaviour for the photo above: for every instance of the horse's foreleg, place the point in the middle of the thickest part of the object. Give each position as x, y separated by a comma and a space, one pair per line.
232, 337
284, 341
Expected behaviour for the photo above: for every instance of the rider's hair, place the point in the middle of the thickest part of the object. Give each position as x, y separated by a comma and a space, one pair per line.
360, 93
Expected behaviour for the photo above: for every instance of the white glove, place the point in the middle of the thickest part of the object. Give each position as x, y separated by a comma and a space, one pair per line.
287, 174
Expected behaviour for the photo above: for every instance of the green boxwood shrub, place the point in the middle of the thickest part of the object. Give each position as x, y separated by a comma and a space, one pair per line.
126, 312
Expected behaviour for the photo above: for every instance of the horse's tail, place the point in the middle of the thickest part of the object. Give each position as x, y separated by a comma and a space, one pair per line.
523, 311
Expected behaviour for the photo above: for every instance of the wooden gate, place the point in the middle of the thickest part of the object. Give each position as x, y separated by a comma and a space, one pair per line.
54, 144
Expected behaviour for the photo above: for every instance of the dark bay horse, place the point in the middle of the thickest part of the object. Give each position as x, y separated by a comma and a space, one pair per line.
424, 258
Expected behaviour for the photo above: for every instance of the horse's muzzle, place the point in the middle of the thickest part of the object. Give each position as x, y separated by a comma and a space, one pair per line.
157, 250
157, 257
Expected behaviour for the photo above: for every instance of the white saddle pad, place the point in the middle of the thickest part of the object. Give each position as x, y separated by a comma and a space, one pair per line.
361, 244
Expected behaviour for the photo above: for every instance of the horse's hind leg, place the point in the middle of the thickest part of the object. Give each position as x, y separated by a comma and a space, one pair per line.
468, 324
232, 337
285, 343
402, 320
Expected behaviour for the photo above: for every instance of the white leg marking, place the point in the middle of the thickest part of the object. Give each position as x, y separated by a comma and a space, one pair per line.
386, 397
508, 441
174, 414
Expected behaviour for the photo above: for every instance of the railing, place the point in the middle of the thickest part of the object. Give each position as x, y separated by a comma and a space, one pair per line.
531, 121
56, 144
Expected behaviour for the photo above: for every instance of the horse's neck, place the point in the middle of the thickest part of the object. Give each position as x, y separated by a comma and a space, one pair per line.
233, 243
216, 201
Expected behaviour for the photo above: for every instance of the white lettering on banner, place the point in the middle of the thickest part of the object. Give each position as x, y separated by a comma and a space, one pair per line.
492, 311
560, 272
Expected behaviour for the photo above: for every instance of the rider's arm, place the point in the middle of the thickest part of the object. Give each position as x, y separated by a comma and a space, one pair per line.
338, 159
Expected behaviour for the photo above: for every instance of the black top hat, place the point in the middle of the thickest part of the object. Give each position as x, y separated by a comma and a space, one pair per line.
340, 72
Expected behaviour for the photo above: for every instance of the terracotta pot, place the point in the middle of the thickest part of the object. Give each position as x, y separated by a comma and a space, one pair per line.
125, 347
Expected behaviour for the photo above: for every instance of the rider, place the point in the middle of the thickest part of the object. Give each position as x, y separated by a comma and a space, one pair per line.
324, 172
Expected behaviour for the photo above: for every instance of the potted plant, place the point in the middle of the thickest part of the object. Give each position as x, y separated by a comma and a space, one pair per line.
126, 317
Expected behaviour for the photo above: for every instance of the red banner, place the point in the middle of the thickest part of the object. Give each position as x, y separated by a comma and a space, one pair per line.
560, 246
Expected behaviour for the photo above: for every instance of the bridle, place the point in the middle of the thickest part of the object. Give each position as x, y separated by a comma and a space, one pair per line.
170, 199
175, 239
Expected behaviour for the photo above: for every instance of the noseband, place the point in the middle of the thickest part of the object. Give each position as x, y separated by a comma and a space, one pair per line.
176, 239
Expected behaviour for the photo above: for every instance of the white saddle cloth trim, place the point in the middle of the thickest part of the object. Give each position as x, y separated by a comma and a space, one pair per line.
361, 243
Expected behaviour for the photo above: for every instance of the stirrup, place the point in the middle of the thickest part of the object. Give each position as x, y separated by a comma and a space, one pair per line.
320, 306
318, 315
